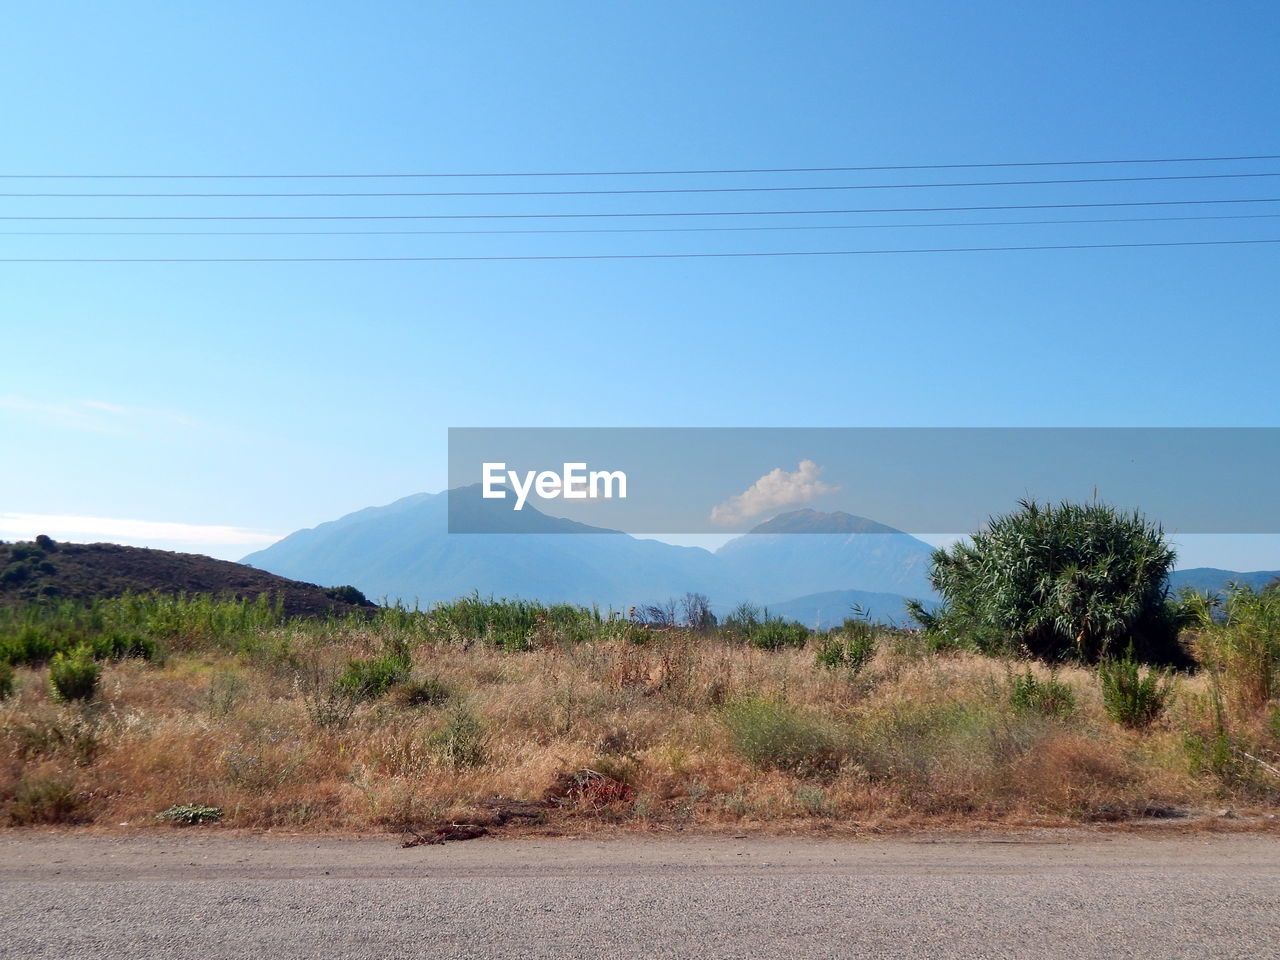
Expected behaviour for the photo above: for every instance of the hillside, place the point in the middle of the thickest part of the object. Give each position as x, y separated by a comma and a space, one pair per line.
82, 570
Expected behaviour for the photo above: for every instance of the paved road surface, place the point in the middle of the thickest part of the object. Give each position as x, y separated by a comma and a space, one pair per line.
1062, 896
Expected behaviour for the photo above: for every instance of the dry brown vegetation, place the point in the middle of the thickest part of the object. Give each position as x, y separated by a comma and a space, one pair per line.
698, 728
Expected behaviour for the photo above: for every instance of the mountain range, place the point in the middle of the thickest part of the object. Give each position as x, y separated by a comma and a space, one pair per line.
403, 551
805, 565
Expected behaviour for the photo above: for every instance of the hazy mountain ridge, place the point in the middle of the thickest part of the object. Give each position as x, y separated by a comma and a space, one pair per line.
804, 565
403, 551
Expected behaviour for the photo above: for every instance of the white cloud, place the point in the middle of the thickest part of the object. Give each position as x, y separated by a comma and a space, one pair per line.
24, 526
775, 489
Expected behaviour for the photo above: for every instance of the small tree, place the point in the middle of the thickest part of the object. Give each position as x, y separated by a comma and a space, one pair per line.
74, 676
1056, 582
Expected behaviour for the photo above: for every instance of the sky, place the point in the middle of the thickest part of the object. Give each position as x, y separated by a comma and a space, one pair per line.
236, 402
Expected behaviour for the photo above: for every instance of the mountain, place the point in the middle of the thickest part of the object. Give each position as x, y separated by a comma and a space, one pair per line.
82, 570
403, 551
805, 552
1213, 580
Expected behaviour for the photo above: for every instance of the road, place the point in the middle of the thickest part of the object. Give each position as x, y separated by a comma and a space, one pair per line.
182, 894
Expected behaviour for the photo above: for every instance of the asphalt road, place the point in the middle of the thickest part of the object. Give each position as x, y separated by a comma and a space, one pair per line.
1062, 896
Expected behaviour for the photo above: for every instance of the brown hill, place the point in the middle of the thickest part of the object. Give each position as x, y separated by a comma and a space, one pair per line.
45, 568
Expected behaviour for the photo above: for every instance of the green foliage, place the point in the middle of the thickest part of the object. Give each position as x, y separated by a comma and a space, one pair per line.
514, 625
462, 741
44, 800
1132, 696
1066, 581
132, 625
6, 681
850, 648
1049, 698
756, 626
116, 644
74, 675
371, 678
348, 594
774, 634
190, 814
1237, 638
744, 618
774, 736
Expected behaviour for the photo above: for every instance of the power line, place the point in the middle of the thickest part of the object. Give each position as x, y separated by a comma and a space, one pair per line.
710, 213
615, 173
648, 191
597, 230
633, 256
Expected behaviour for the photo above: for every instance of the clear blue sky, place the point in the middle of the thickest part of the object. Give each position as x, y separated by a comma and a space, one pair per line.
275, 396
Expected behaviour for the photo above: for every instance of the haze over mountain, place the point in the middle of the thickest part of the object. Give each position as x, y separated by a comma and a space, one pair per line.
806, 552
1213, 580
403, 551
804, 565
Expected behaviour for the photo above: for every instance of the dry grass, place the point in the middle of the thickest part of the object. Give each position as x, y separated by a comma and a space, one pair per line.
703, 731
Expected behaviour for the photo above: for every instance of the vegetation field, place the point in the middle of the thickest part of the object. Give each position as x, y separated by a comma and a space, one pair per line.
153, 709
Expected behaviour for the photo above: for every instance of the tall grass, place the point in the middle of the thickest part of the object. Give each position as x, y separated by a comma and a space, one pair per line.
412, 715
1238, 639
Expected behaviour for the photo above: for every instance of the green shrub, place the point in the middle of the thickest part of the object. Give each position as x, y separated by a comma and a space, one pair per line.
74, 676
773, 736
44, 800
370, 679
1133, 697
28, 644
1071, 580
348, 594
1238, 640
514, 625
427, 692
462, 741
6, 681
190, 814
774, 634
849, 648
122, 644
1050, 698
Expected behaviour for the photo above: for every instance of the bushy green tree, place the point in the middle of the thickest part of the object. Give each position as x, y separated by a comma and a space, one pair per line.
1065, 581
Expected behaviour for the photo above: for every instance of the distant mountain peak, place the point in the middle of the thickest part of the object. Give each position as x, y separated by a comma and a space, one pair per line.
814, 521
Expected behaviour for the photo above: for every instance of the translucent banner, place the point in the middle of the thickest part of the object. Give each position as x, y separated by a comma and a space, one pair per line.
842, 480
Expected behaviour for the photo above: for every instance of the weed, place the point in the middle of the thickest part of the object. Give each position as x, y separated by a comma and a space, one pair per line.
1239, 642
44, 800
6, 681
74, 676
849, 649
1049, 698
1133, 697
813, 800
774, 634
190, 814
462, 741
774, 736
370, 679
